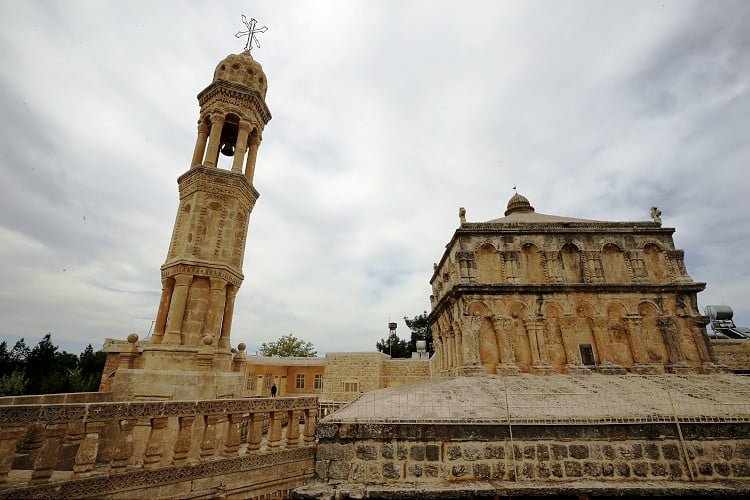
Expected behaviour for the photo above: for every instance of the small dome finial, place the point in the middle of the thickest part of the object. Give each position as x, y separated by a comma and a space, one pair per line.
518, 203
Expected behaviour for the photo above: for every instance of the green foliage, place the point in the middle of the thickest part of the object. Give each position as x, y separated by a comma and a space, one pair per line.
12, 384
420, 330
44, 370
288, 345
394, 346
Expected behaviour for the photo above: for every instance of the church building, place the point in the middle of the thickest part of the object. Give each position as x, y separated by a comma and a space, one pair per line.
537, 293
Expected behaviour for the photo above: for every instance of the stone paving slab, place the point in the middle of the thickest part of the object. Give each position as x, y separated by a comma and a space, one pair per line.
551, 399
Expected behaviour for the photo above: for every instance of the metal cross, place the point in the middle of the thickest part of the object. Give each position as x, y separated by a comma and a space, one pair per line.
250, 33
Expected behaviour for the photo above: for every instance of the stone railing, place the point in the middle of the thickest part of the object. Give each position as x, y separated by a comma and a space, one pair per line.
70, 441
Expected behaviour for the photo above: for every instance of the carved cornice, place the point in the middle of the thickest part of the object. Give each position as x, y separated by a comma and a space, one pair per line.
200, 268
236, 94
563, 227
218, 182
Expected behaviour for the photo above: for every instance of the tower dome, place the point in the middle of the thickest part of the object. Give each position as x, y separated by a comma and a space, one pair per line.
518, 203
244, 70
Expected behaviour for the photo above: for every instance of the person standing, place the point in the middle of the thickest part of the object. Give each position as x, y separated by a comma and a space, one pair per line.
273, 391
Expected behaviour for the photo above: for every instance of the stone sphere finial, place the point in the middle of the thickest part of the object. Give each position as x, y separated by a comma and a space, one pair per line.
133, 338
207, 339
241, 347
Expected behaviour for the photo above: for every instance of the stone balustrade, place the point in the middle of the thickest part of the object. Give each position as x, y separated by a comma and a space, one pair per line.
70, 441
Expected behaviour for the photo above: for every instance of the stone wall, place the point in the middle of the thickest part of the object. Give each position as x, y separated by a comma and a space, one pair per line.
404, 371
734, 354
348, 374
408, 454
368, 371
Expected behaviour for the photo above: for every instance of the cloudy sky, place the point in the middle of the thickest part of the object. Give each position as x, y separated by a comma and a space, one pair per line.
387, 117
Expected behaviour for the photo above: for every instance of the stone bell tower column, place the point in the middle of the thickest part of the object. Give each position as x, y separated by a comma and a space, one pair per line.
203, 269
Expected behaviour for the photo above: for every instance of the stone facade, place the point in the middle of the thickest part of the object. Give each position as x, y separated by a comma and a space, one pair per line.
349, 374
539, 293
292, 376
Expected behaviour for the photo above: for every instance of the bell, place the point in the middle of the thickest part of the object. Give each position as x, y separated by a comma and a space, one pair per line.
227, 149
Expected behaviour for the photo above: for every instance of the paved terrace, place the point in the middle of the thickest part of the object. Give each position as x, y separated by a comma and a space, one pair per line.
556, 399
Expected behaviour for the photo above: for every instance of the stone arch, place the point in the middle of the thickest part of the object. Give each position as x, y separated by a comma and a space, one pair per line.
570, 257
477, 308
552, 309
613, 262
649, 308
532, 268
656, 264
489, 268
489, 354
584, 309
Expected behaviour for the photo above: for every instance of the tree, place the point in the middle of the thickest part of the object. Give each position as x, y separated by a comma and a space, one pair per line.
394, 346
420, 330
288, 345
18, 356
13, 384
6, 366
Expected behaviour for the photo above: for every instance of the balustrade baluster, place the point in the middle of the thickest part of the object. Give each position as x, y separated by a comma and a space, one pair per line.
308, 432
255, 432
292, 430
274, 431
123, 444
184, 439
89, 448
155, 447
9, 437
208, 443
232, 440
49, 452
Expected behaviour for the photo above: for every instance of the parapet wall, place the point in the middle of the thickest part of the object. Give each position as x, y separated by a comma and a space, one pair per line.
734, 354
441, 458
188, 449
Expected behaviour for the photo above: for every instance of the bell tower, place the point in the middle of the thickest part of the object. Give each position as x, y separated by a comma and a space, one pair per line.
203, 269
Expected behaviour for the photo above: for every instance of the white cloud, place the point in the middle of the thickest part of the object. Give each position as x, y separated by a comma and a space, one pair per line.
387, 117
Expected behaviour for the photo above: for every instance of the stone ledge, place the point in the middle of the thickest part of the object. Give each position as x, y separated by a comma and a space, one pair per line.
477, 489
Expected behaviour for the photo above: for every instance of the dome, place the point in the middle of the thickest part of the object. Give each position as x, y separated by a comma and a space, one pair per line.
518, 203
243, 70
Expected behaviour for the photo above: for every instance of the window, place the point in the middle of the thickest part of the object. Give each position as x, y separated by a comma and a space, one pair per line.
351, 386
318, 381
299, 381
587, 355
